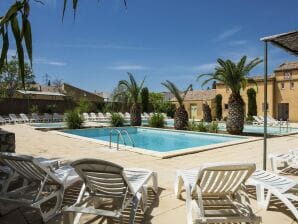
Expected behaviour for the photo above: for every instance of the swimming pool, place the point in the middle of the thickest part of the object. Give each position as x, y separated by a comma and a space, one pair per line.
158, 140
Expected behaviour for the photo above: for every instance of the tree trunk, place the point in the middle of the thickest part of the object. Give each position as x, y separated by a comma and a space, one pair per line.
135, 115
181, 119
235, 121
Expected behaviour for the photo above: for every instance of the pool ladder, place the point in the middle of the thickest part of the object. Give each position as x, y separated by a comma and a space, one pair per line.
120, 133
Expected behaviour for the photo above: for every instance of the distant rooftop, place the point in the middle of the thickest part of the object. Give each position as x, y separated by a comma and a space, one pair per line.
288, 66
40, 93
199, 95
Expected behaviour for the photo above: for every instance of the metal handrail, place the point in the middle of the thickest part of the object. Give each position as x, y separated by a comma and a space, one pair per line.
130, 139
118, 136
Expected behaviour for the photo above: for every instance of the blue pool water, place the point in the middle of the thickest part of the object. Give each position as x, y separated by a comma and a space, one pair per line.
156, 140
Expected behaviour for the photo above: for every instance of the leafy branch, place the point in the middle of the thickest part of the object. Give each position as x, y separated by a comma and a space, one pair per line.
16, 20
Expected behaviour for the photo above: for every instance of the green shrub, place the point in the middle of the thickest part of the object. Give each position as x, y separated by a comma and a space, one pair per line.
200, 126
34, 109
117, 120
212, 127
73, 119
85, 106
157, 121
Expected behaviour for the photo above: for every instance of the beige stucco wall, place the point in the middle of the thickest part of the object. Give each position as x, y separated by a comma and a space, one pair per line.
287, 95
199, 104
221, 89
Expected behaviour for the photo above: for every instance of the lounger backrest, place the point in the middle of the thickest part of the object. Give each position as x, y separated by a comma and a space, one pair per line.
100, 114
93, 115
24, 116
13, 117
29, 168
223, 178
102, 178
2, 119
35, 116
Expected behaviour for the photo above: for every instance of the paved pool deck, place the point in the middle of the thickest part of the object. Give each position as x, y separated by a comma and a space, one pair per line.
167, 208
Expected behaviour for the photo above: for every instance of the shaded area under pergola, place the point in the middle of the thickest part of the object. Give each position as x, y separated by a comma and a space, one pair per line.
288, 42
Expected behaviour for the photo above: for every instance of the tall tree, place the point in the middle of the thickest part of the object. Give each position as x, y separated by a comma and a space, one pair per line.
133, 91
218, 106
156, 100
181, 115
10, 80
252, 102
235, 77
145, 99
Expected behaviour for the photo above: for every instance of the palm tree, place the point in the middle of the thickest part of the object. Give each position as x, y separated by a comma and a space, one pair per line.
181, 116
133, 93
235, 77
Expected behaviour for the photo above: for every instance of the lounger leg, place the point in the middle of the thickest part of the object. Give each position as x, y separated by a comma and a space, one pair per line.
178, 185
287, 202
274, 164
155, 182
263, 201
134, 208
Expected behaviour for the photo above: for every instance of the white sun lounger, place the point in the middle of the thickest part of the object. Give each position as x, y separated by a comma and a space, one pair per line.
57, 117
44, 185
35, 118
2, 120
289, 159
93, 117
106, 180
257, 121
24, 117
15, 119
47, 117
285, 189
215, 193
86, 117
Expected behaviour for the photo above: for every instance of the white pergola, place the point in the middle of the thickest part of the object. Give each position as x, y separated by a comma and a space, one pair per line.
288, 42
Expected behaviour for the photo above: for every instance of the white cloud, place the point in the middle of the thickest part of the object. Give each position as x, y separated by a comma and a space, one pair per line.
48, 62
238, 42
128, 67
228, 33
208, 67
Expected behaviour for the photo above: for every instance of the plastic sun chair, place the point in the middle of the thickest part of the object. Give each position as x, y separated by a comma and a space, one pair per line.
15, 119
290, 159
45, 185
35, 118
215, 193
257, 121
93, 117
285, 189
24, 117
120, 188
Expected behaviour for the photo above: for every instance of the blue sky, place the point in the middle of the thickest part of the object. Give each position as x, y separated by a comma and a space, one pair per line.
159, 39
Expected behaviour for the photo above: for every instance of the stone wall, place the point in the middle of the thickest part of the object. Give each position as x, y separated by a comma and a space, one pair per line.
7, 141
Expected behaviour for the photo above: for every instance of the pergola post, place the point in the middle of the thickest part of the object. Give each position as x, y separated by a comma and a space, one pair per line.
265, 104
